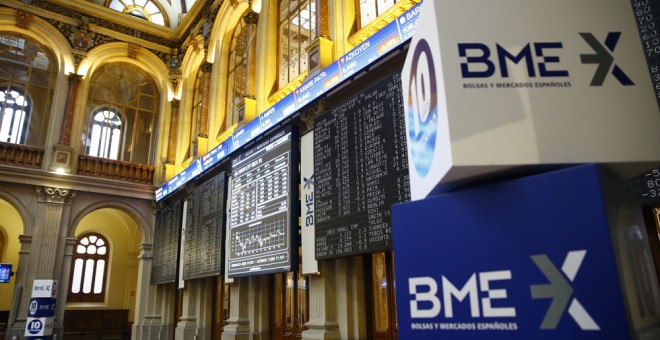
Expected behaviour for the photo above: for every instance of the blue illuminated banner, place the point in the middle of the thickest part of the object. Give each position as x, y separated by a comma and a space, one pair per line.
388, 38
245, 134
531, 258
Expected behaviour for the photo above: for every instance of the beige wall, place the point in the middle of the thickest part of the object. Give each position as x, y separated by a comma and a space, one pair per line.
11, 226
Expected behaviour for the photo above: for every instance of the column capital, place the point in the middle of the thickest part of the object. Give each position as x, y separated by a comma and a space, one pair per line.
251, 18
55, 195
74, 78
206, 67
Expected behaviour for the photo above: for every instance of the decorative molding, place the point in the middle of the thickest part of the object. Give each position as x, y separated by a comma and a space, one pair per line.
23, 20
251, 18
206, 67
308, 115
133, 50
55, 195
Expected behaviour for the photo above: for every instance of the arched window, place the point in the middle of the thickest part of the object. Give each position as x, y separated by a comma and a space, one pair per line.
15, 113
105, 131
297, 26
123, 110
144, 9
371, 9
89, 269
237, 75
27, 77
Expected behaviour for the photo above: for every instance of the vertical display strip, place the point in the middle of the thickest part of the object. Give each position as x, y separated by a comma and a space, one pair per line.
205, 222
166, 244
262, 208
647, 15
309, 264
360, 169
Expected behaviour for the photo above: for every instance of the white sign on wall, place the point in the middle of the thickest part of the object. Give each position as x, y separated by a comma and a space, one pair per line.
44, 289
309, 263
491, 86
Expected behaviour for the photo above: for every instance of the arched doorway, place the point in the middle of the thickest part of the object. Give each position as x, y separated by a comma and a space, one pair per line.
103, 275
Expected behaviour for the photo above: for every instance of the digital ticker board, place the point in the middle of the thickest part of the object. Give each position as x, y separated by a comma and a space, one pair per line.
166, 243
264, 207
360, 170
205, 223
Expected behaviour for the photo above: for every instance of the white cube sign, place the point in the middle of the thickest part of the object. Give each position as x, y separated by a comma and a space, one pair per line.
44, 288
491, 86
39, 326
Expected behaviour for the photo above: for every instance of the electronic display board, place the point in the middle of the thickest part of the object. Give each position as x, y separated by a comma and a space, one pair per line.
360, 170
5, 272
166, 243
263, 213
205, 223
646, 187
354, 61
647, 15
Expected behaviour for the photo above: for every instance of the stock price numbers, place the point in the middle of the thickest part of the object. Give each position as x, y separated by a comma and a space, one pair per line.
647, 15
646, 186
360, 169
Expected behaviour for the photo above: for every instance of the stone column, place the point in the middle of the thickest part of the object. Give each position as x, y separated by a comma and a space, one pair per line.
53, 202
171, 141
51, 225
203, 118
67, 120
251, 20
203, 125
238, 324
248, 110
322, 322
63, 150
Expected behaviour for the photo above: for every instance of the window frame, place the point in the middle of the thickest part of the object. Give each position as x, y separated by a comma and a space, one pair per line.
91, 296
284, 48
105, 149
22, 129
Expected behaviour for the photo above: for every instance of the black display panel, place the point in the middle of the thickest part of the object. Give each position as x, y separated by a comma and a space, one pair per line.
205, 223
166, 243
262, 208
647, 15
360, 170
646, 187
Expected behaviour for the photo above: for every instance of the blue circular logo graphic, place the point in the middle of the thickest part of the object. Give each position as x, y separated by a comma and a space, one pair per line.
35, 327
422, 108
34, 306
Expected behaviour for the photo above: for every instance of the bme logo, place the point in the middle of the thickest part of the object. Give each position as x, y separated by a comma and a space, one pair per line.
427, 304
541, 59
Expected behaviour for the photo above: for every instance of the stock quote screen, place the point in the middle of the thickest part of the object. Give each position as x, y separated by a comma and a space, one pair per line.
166, 243
264, 209
205, 223
360, 170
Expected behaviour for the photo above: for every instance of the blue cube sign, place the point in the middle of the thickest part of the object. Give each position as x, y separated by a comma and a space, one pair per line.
42, 307
526, 259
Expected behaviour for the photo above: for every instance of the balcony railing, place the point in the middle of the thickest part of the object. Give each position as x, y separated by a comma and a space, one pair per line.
117, 170
24, 156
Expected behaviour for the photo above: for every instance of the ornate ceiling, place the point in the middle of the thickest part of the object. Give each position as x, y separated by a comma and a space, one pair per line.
87, 24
